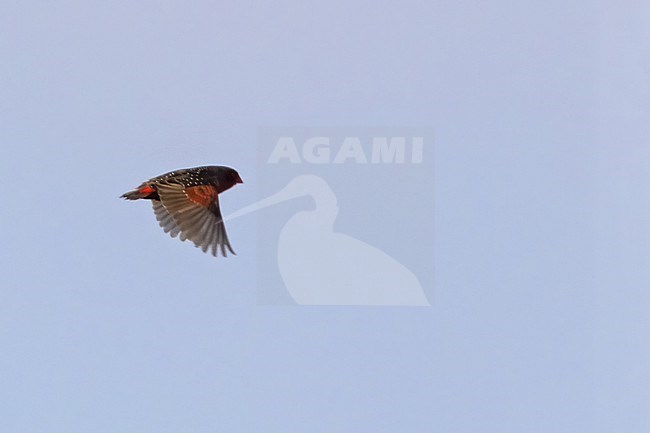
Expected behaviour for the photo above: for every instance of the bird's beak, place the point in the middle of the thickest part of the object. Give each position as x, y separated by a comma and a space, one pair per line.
239, 180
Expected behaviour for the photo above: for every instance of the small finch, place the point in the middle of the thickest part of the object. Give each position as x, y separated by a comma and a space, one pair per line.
186, 204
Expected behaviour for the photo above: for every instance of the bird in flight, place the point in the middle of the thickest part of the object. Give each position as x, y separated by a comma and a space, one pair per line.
186, 204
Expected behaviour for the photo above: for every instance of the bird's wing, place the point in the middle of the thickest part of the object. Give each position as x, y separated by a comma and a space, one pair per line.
192, 213
165, 219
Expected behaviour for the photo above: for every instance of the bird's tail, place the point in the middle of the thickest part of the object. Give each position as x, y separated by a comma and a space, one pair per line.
132, 195
143, 191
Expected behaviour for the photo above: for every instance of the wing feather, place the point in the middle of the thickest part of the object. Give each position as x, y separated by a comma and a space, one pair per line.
179, 213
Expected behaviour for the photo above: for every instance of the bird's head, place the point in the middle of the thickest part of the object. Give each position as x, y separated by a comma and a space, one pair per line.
226, 177
234, 176
227, 174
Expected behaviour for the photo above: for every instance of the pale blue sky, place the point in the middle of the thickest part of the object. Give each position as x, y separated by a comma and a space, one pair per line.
540, 319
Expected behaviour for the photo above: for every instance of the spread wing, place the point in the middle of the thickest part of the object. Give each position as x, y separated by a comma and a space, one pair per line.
192, 213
